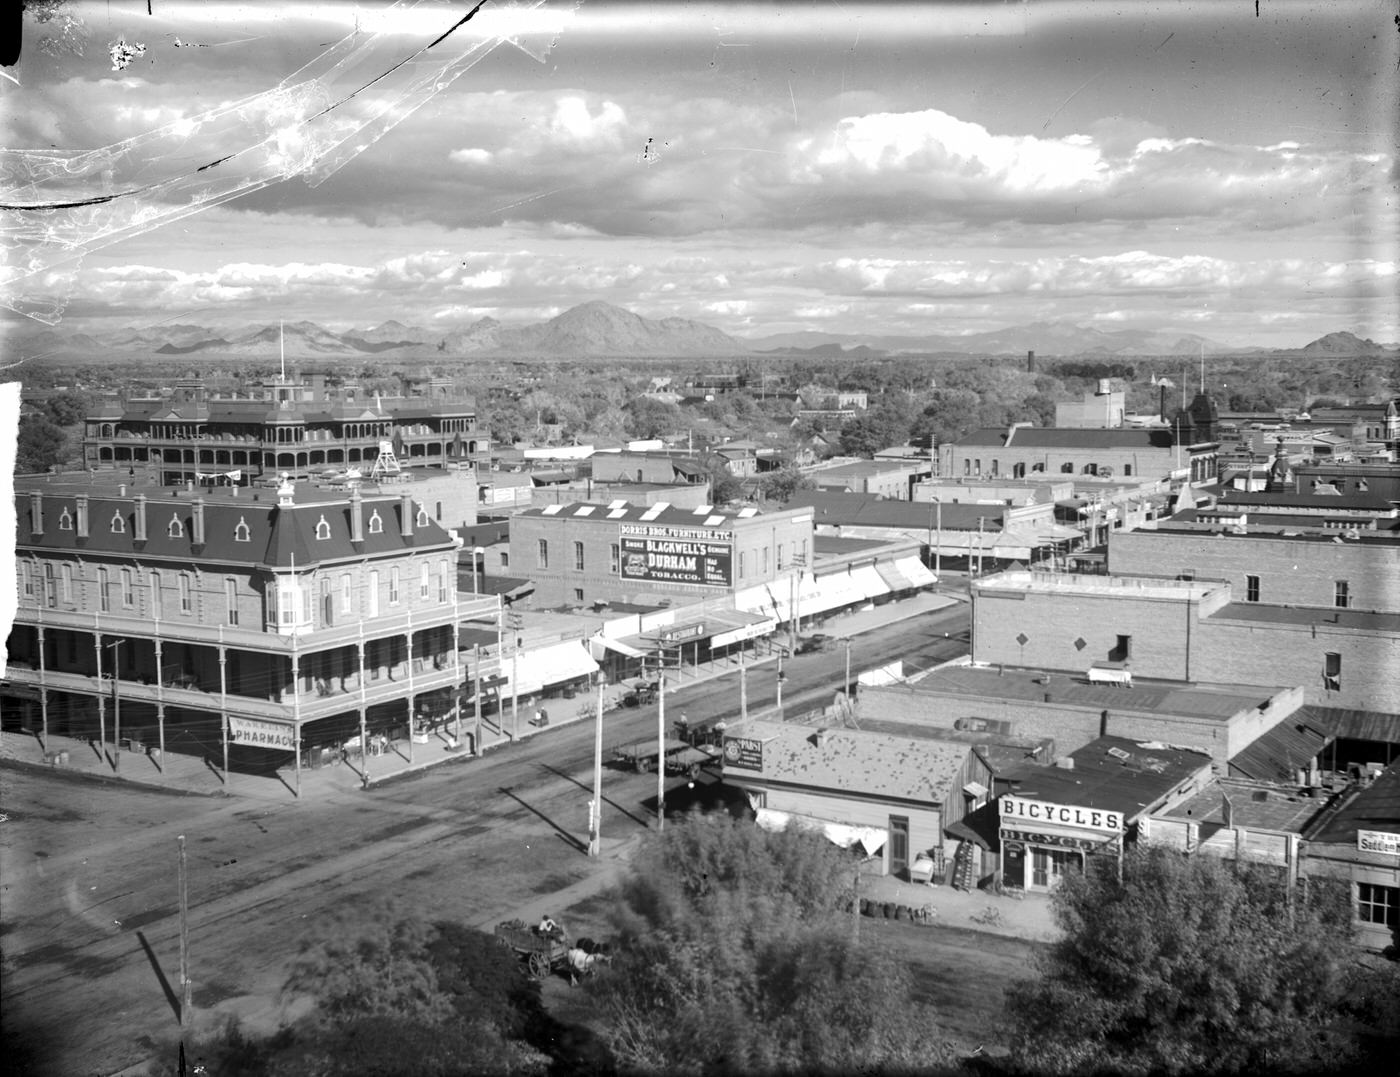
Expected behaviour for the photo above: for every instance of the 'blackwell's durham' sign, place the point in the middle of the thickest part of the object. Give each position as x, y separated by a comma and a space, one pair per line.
675, 554
1021, 810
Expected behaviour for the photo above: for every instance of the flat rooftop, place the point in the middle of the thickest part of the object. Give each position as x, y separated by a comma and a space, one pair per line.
1308, 615
1253, 805
1209, 702
1107, 586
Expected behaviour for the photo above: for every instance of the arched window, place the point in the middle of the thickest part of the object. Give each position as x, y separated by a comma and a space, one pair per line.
65, 522
323, 529
422, 517
118, 523
241, 532
175, 529
376, 525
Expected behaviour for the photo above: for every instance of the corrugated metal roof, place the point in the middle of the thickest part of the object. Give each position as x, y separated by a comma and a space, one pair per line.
1377, 807
1278, 754
1352, 724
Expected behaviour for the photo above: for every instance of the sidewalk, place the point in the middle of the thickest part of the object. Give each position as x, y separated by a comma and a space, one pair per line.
190, 774
1028, 917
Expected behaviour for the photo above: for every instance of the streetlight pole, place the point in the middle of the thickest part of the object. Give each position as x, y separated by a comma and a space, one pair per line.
743, 683
781, 677
595, 806
847, 686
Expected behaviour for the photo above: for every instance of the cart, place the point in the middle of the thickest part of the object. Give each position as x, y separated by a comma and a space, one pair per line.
541, 954
679, 757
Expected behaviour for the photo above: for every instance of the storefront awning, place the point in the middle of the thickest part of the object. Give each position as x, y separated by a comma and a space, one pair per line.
754, 600
866, 580
894, 579
537, 669
872, 839
598, 646
912, 568
753, 630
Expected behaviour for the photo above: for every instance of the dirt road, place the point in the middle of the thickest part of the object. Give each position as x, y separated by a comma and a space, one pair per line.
88, 873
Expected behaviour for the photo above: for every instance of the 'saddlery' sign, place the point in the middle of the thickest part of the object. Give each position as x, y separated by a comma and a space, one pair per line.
1021, 809
1378, 841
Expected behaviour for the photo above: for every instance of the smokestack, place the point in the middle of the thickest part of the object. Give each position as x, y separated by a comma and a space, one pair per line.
197, 523
1162, 405
36, 512
406, 517
357, 518
80, 510
139, 532
1030, 362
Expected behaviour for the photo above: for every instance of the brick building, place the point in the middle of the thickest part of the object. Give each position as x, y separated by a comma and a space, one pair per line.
581, 554
231, 623
1025, 450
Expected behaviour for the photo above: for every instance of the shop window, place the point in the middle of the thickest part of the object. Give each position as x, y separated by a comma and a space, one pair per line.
1377, 904
578, 557
1341, 594
1251, 588
614, 558
542, 556
1332, 671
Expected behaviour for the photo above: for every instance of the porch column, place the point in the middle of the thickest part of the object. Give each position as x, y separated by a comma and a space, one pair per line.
364, 736
476, 699
160, 705
409, 637
457, 671
223, 701
101, 700
43, 693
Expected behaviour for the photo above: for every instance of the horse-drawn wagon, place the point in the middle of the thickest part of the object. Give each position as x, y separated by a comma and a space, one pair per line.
677, 756
541, 953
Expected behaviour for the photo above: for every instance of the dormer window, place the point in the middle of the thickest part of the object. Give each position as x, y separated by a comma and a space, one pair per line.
176, 528
376, 525
422, 517
65, 521
323, 529
241, 531
118, 524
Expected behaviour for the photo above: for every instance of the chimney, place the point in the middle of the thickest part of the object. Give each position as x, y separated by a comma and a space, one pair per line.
36, 511
197, 523
406, 517
357, 515
1103, 723
80, 510
139, 530
1030, 362
1065, 762
1162, 400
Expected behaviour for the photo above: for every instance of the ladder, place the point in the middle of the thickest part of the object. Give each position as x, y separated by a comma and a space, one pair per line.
964, 871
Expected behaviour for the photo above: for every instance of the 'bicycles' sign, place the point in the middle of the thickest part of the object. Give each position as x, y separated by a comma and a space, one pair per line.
258, 734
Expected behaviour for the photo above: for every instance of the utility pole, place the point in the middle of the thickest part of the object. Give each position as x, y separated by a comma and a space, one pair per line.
799, 562
781, 677
743, 683
184, 898
116, 705
595, 806
516, 623
476, 698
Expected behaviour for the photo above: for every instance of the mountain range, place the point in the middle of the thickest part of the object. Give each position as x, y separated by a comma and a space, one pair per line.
599, 329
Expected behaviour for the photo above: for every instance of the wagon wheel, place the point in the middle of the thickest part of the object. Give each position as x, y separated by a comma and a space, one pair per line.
539, 965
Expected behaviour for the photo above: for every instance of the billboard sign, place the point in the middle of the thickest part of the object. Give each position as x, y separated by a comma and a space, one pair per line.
257, 734
1022, 810
662, 554
743, 753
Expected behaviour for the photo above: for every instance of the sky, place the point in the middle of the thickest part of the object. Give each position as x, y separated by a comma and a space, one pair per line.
1220, 168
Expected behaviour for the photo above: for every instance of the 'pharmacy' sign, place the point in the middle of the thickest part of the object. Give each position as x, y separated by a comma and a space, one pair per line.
1023, 810
258, 734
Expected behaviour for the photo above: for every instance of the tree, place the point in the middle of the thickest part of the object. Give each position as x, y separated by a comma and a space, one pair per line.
648, 417
725, 486
783, 484
735, 957
38, 445
1190, 965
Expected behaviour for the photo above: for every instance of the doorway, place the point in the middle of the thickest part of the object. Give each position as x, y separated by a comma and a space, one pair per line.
899, 844
1050, 866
